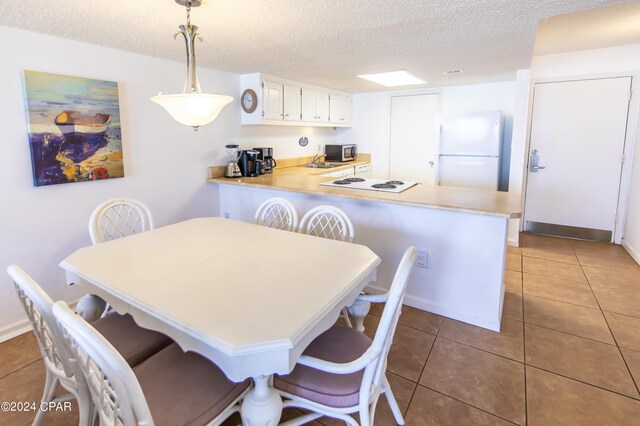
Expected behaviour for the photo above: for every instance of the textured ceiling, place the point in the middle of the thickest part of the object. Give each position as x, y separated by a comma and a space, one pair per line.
324, 42
591, 29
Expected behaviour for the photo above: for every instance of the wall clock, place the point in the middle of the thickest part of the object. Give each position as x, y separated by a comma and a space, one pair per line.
249, 101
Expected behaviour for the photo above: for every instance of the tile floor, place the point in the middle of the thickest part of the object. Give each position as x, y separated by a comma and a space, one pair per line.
568, 353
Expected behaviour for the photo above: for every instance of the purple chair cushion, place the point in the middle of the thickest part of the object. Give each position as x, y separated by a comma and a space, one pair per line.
134, 343
338, 344
185, 388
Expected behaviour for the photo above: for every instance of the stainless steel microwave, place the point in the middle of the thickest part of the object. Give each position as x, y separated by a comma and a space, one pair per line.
340, 152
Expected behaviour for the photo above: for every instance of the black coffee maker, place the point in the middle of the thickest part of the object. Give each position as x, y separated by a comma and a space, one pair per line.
266, 155
250, 165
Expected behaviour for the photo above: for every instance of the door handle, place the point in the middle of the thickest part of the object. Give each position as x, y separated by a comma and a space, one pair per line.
533, 162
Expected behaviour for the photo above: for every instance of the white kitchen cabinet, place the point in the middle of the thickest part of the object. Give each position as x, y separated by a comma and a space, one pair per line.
339, 109
292, 102
363, 171
347, 172
272, 100
315, 105
283, 102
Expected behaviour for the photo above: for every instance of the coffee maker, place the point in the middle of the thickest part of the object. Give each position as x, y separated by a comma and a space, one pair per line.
249, 164
266, 155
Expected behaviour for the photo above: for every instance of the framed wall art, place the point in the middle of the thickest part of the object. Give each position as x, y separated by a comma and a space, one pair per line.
74, 128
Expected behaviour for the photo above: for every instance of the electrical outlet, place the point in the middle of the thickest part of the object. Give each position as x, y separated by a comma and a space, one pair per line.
422, 258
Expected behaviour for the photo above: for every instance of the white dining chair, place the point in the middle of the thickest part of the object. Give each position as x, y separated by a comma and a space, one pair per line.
342, 372
134, 343
277, 213
327, 222
114, 218
119, 217
169, 388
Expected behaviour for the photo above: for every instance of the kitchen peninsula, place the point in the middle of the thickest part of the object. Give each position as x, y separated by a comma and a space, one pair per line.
463, 231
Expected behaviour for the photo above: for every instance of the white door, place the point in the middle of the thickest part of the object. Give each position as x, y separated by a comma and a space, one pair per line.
292, 102
413, 143
272, 99
577, 138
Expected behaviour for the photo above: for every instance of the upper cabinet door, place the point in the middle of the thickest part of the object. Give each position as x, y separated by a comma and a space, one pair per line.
292, 102
340, 109
309, 99
322, 106
273, 97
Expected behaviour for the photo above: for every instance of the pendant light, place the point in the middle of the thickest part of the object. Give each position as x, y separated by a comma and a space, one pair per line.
192, 107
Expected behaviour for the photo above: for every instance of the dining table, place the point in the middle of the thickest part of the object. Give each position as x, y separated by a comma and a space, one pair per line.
247, 297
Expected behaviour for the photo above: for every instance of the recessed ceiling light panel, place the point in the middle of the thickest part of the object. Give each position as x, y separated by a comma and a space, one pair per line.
394, 78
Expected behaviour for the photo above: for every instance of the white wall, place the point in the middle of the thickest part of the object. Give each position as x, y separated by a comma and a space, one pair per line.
165, 162
615, 60
371, 117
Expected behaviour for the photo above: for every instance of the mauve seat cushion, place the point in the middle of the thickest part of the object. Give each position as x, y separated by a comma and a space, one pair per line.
185, 388
134, 343
338, 344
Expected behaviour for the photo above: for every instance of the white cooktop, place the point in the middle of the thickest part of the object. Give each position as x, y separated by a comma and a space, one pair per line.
367, 184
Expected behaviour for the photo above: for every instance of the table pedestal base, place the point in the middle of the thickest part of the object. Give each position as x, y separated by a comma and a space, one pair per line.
262, 406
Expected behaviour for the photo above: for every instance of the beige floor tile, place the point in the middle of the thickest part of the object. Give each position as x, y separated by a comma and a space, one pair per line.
619, 301
429, 408
26, 385
18, 352
543, 241
633, 362
582, 359
551, 268
508, 342
409, 350
555, 400
621, 279
606, 261
414, 317
513, 281
512, 307
422, 320
625, 329
514, 250
514, 262
559, 254
602, 248
486, 381
572, 319
558, 289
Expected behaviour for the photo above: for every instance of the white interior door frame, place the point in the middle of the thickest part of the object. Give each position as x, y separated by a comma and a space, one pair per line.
629, 143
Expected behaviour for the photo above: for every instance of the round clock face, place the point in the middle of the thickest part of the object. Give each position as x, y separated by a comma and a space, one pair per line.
249, 101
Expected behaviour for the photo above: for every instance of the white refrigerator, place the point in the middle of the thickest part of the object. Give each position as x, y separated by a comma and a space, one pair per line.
470, 146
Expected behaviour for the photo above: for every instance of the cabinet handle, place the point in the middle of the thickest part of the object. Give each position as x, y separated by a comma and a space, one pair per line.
281, 115
286, 115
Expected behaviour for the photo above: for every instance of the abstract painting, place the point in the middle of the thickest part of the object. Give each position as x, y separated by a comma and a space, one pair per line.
74, 128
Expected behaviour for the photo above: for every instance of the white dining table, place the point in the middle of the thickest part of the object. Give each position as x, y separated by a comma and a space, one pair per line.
247, 297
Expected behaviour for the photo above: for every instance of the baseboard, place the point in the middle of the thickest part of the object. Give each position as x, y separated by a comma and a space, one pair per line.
632, 252
424, 305
12, 330
513, 242
23, 326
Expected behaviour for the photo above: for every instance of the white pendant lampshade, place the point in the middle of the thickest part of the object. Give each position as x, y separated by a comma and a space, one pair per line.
192, 107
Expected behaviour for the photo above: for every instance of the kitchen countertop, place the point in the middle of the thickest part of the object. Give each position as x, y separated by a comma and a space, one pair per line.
307, 180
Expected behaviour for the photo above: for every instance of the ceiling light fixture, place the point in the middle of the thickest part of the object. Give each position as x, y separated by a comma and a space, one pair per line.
394, 78
192, 107
454, 71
